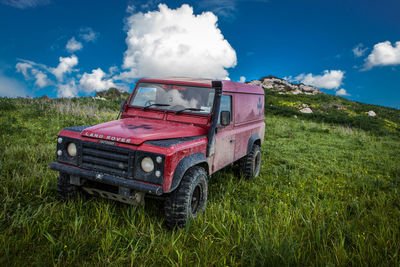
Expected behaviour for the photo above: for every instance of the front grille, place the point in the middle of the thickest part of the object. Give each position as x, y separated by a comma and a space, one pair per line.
107, 159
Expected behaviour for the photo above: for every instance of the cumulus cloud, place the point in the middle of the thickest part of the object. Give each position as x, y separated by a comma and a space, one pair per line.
73, 45
88, 35
95, 81
41, 78
176, 42
30, 70
330, 79
342, 92
22, 4
383, 54
67, 90
65, 66
10, 87
242, 79
359, 51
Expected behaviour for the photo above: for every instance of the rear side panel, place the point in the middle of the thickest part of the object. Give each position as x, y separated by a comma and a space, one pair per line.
248, 120
248, 108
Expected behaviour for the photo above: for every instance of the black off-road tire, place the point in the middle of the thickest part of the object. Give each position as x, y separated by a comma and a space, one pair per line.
250, 165
188, 200
65, 189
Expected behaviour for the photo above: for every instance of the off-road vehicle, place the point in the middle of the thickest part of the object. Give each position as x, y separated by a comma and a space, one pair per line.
173, 134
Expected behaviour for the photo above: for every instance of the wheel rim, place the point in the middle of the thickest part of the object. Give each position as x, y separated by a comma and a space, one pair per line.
257, 163
196, 198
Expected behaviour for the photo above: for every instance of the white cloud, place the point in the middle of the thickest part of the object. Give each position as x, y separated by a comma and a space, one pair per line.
73, 45
23, 67
22, 4
30, 70
149, 4
67, 90
10, 87
41, 78
40, 72
227, 9
112, 70
88, 34
65, 66
331, 79
95, 81
342, 92
383, 54
359, 51
176, 42
242, 79
130, 9
223, 8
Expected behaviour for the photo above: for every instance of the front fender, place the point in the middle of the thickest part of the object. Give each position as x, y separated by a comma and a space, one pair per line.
184, 165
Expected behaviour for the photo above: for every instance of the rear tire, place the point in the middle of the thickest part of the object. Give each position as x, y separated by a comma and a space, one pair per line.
250, 165
189, 199
65, 189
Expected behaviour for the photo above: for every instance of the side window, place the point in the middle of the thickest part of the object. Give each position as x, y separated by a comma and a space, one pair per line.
226, 105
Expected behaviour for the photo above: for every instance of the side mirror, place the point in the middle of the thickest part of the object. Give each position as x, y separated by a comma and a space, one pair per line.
225, 118
123, 103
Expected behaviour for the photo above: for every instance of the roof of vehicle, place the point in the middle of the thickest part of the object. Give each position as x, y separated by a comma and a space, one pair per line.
227, 86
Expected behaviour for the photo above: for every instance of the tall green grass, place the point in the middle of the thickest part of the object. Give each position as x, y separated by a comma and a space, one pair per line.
328, 194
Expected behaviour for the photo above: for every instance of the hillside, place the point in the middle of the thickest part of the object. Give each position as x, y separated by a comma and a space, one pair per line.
328, 193
306, 102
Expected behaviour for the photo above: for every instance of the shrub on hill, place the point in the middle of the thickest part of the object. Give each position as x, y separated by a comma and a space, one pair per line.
112, 93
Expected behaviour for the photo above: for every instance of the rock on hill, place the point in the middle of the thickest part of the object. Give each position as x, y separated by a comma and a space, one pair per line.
284, 87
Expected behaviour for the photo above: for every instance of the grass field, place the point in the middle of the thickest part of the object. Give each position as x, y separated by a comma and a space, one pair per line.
328, 194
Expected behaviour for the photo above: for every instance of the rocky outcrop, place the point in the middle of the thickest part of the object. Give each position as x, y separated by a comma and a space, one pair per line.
284, 87
306, 110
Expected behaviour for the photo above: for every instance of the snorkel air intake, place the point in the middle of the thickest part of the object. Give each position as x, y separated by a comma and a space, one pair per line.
217, 85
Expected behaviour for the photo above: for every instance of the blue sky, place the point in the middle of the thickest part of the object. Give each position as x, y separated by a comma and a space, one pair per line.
74, 48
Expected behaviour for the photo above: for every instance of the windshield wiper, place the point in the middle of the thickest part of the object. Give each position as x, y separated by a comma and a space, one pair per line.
191, 109
155, 104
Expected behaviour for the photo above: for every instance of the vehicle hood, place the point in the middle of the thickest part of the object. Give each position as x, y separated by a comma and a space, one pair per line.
138, 130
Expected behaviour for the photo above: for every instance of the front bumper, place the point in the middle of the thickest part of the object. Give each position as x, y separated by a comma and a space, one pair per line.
107, 179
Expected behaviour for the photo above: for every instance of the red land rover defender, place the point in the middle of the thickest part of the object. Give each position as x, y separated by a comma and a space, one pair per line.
173, 134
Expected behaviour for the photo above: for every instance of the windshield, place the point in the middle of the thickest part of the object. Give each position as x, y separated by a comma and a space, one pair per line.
173, 97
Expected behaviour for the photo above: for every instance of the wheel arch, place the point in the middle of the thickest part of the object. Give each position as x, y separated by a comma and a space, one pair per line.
254, 139
195, 159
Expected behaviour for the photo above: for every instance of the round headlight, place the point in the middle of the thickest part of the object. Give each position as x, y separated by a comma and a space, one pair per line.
159, 159
147, 164
71, 149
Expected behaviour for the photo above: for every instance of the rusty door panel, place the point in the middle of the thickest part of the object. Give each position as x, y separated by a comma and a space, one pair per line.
224, 148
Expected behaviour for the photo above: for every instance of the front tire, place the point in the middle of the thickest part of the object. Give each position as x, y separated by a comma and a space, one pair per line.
251, 164
64, 188
189, 199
